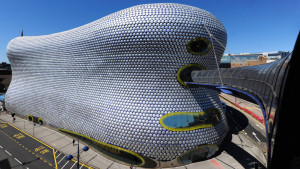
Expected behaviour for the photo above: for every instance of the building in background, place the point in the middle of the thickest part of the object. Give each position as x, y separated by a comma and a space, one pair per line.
251, 59
5, 76
5, 66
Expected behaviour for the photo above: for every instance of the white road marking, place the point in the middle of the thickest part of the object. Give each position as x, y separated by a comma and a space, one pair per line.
65, 164
18, 161
255, 136
72, 165
61, 159
258, 126
7, 152
58, 155
1, 147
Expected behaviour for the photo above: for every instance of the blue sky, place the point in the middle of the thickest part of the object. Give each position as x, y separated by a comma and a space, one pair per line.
252, 25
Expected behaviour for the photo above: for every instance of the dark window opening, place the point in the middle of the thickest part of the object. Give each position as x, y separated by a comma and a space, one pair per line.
199, 46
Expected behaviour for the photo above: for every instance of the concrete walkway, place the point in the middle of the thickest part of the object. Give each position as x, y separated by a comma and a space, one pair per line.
243, 103
61, 142
252, 109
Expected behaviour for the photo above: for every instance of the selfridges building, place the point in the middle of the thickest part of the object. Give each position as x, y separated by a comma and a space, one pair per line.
117, 82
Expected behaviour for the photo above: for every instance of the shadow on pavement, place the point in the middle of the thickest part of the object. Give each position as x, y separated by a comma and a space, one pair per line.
4, 164
240, 155
237, 122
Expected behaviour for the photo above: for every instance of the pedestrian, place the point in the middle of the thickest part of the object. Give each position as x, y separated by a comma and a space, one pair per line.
14, 119
131, 166
73, 142
3, 105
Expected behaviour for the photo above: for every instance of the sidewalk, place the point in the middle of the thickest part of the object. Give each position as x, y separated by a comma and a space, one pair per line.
61, 142
253, 109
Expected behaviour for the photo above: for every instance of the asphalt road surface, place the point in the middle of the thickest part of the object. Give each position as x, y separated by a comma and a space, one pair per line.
19, 150
62, 163
247, 125
23, 151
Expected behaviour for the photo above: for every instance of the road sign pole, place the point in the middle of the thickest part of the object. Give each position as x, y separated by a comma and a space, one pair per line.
78, 155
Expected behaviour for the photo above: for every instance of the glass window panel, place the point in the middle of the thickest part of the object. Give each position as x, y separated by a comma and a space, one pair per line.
185, 121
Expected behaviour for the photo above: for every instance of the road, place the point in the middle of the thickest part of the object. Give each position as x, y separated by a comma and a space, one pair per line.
19, 150
23, 151
62, 163
247, 125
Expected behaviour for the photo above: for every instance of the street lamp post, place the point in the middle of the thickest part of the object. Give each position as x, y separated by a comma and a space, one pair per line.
69, 157
78, 154
159, 164
33, 128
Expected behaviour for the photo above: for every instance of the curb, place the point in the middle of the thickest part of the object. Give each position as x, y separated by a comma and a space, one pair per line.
257, 117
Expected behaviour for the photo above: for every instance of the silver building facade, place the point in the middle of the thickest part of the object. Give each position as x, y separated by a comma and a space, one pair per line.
115, 80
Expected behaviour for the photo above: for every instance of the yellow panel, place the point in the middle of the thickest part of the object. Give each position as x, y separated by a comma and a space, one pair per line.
40, 119
202, 152
192, 42
199, 126
194, 66
108, 147
28, 116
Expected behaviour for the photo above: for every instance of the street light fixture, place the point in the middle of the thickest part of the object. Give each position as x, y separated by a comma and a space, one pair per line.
70, 157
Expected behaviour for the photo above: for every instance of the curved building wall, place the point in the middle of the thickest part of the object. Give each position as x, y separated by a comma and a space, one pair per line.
113, 79
264, 82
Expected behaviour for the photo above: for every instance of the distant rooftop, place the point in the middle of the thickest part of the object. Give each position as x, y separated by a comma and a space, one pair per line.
244, 57
5, 66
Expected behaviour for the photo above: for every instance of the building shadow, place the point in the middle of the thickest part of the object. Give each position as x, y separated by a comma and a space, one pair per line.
240, 155
238, 122
4, 164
